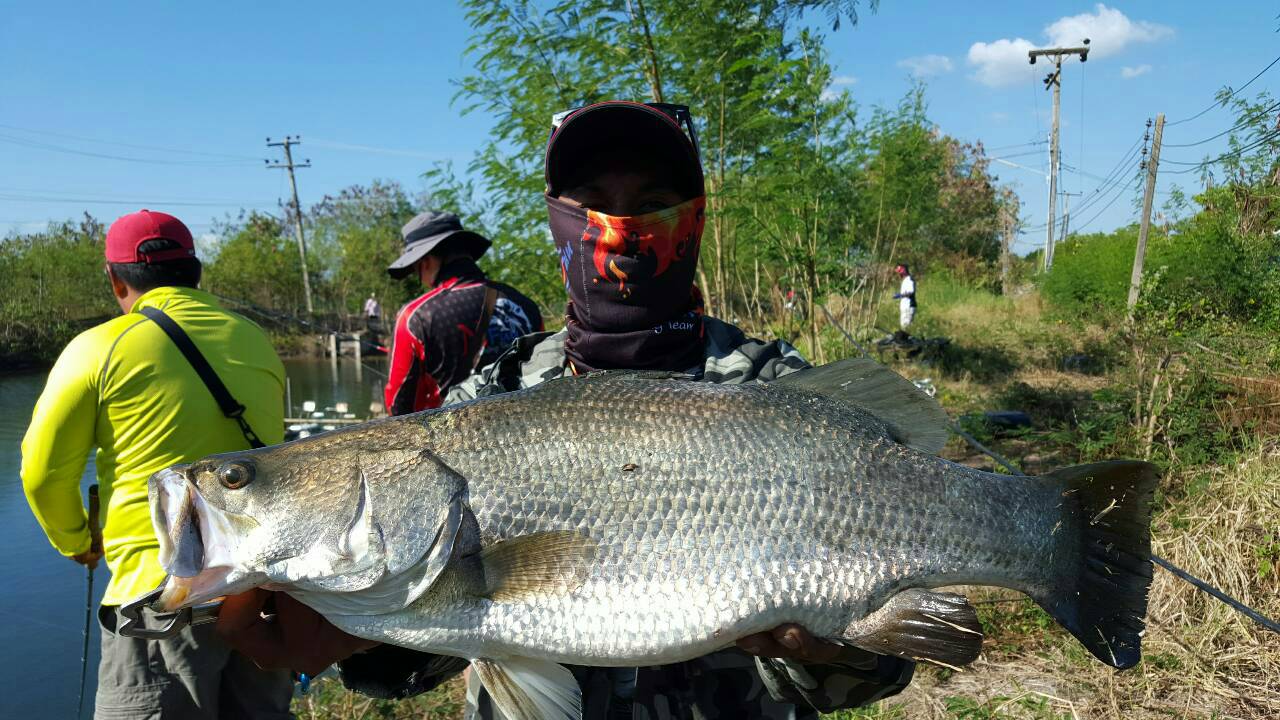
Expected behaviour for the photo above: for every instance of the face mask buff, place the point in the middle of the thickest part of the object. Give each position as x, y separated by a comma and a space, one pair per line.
632, 301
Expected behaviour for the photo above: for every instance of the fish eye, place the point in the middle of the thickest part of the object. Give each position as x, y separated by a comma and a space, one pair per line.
235, 475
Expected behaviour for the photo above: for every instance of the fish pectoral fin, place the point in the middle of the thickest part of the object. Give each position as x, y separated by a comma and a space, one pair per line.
914, 419
541, 563
936, 627
529, 689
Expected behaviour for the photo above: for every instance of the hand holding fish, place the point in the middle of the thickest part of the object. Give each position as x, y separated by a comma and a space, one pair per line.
792, 642
299, 639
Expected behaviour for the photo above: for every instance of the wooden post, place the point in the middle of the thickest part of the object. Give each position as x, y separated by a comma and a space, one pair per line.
1009, 216
1139, 255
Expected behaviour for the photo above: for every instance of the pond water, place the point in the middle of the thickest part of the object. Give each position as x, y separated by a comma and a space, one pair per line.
42, 595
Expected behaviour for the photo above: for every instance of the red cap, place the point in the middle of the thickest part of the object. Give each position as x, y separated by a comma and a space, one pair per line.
130, 231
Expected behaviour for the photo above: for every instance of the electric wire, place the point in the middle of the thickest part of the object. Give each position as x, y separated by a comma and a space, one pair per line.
24, 142
1193, 166
11, 197
1223, 101
135, 146
1260, 114
1121, 193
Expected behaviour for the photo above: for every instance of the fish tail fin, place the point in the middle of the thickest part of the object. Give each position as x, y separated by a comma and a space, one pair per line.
1100, 591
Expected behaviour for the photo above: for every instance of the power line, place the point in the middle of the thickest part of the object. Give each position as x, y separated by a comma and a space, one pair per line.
374, 150
1132, 184
30, 195
1232, 94
1260, 114
1011, 147
87, 153
1113, 177
135, 146
1225, 156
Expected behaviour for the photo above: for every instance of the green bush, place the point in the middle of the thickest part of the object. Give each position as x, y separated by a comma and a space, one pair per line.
1195, 274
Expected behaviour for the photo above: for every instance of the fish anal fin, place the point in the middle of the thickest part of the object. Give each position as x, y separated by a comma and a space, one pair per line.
914, 418
540, 563
529, 689
936, 627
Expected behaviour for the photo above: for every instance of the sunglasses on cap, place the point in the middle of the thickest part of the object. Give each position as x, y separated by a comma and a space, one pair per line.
679, 114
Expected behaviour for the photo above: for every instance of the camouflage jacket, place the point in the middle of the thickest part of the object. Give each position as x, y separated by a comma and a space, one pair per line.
725, 684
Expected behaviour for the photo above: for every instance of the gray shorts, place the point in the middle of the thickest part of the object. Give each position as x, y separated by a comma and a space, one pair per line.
192, 675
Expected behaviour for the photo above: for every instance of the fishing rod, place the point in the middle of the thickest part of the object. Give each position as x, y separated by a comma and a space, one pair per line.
95, 545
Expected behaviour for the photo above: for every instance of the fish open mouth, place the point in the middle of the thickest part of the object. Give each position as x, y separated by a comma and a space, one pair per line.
196, 542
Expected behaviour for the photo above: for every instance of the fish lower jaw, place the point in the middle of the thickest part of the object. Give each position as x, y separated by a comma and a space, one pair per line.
182, 592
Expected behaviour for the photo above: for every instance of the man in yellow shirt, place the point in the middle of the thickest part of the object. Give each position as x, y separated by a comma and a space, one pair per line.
125, 389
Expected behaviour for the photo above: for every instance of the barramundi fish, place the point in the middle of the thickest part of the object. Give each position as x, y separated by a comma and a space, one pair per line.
642, 518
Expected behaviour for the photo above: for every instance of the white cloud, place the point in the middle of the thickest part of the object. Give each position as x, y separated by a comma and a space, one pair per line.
1132, 72
844, 80
1109, 31
999, 117
927, 65
1004, 61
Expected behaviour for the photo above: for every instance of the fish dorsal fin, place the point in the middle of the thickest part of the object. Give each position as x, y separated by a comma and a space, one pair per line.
937, 627
529, 689
914, 418
548, 562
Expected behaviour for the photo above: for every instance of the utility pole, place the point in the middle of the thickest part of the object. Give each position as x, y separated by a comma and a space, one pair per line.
1153, 162
1009, 216
1066, 219
1054, 81
289, 165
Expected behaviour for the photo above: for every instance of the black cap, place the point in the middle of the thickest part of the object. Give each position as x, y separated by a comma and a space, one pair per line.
583, 132
426, 231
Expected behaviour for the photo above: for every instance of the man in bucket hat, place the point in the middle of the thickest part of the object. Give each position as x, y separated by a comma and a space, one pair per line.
440, 336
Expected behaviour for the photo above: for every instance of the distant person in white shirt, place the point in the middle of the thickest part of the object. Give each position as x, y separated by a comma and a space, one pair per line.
372, 312
906, 297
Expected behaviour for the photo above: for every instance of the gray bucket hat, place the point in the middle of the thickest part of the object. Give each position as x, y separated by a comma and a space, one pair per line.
426, 231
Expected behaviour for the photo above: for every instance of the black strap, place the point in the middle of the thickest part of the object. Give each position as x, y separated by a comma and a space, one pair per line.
226, 403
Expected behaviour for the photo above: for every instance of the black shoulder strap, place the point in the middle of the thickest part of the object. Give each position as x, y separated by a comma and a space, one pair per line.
226, 403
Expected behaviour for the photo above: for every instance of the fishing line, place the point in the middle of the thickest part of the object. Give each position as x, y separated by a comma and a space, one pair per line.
1178, 572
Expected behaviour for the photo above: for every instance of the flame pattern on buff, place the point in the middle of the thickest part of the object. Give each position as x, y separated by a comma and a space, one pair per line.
644, 246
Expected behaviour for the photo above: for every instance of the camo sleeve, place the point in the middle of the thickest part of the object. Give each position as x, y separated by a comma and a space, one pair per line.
858, 679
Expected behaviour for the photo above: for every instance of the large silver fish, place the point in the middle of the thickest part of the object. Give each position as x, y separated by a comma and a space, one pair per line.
629, 518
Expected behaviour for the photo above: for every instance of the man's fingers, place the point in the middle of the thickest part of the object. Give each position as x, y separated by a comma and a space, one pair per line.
241, 611
762, 644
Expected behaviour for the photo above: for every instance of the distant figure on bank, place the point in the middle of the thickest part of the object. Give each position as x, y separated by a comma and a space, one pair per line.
906, 298
125, 389
463, 318
372, 313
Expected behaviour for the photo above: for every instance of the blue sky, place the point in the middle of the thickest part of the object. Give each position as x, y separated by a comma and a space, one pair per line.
155, 85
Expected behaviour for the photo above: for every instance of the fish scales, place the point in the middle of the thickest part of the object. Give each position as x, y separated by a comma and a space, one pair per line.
807, 498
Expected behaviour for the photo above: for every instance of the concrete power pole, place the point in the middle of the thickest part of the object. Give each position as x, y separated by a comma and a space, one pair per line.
1153, 162
289, 165
1054, 81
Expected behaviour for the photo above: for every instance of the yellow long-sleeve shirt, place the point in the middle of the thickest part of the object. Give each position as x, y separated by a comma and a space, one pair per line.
124, 388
